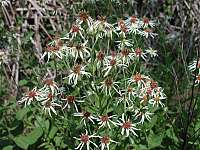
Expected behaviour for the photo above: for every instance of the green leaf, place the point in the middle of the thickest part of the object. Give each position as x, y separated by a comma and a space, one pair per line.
21, 113
34, 135
25, 141
148, 126
53, 132
23, 82
58, 140
154, 140
170, 133
9, 147
142, 147
21, 142
44, 124
197, 125
47, 124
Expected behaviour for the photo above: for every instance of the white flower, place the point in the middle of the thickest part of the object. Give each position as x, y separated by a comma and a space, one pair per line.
92, 31
142, 114
139, 79
75, 29
122, 28
69, 101
83, 17
158, 91
139, 53
127, 126
156, 100
147, 33
128, 103
86, 116
30, 96
79, 50
49, 86
106, 120
146, 22
85, 140
108, 84
104, 29
49, 104
144, 99
52, 50
197, 81
106, 141
151, 88
76, 73
152, 52
127, 56
100, 58
132, 92
193, 66
124, 43
112, 62
133, 25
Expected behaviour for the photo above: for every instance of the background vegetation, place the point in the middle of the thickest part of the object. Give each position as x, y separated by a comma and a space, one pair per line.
24, 33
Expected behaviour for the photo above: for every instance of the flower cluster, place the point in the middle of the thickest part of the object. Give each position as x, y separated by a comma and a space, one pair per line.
85, 139
85, 26
102, 82
134, 25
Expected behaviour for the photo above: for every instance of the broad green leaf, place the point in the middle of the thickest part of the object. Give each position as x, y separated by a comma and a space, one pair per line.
34, 135
154, 140
142, 147
170, 133
44, 124
21, 142
9, 147
23, 82
152, 123
58, 140
21, 113
47, 124
25, 141
53, 132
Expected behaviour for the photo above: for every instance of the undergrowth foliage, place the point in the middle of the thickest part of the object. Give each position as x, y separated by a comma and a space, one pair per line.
105, 90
